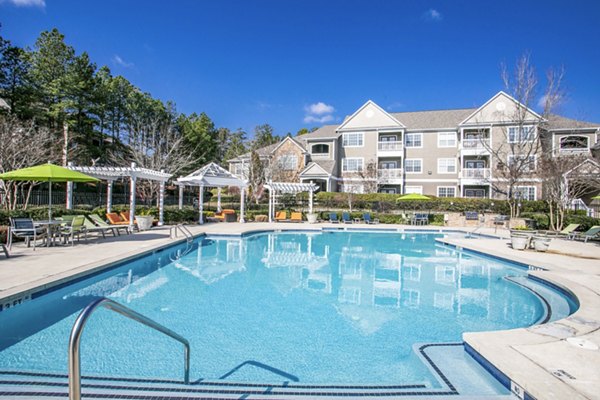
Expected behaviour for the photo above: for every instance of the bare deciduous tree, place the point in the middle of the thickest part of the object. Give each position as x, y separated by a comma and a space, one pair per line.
524, 133
22, 145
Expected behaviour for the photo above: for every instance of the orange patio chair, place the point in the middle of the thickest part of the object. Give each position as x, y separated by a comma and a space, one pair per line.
296, 217
280, 216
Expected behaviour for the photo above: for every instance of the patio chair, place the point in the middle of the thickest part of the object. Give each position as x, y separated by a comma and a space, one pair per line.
420, 219
471, 216
368, 220
24, 228
281, 216
587, 235
346, 218
75, 228
120, 219
333, 218
296, 217
99, 222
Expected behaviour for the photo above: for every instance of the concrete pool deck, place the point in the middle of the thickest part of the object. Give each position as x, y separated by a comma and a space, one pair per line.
540, 359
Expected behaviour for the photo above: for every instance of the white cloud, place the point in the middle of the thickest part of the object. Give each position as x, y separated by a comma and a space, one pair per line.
26, 3
395, 106
433, 15
318, 113
119, 61
321, 120
319, 108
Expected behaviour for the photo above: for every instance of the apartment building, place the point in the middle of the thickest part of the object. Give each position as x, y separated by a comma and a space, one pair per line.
444, 153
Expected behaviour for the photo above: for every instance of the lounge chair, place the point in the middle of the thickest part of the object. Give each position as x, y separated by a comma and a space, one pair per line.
368, 220
91, 227
75, 228
570, 229
24, 228
333, 218
420, 219
296, 217
99, 222
587, 235
116, 219
471, 216
346, 218
280, 216
222, 215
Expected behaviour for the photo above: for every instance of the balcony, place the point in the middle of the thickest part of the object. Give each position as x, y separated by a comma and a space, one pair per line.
389, 148
389, 176
475, 173
476, 145
572, 151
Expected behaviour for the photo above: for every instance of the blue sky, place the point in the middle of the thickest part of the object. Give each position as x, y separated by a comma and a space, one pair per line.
297, 64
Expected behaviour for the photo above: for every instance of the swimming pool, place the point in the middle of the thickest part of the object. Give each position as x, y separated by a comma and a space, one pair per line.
316, 308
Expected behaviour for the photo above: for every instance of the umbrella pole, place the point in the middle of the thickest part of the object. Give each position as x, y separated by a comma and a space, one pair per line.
50, 201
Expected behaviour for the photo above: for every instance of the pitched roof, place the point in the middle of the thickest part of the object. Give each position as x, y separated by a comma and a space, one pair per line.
558, 122
435, 119
326, 131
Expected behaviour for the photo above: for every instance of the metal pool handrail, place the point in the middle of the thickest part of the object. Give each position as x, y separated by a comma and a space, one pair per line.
186, 232
77, 331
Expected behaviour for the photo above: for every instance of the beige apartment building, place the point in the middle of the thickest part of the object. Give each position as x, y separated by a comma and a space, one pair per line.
444, 153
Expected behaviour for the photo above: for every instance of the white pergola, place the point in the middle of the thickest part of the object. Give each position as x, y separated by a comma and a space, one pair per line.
212, 175
275, 188
111, 174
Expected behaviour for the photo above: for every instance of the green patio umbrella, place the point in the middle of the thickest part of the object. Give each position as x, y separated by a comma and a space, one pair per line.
47, 173
413, 196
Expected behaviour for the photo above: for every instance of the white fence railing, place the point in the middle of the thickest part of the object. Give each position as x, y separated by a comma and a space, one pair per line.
475, 173
389, 174
476, 144
389, 146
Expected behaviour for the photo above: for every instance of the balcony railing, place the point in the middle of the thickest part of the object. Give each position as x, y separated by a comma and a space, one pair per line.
475, 173
389, 174
582, 150
476, 144
389, 146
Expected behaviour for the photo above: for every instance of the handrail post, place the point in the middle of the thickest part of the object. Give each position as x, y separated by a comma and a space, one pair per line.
77, 331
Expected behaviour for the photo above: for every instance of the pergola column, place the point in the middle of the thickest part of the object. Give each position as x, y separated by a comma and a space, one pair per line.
310, 200
132, 203
69, 191
109, 190
161, 203
201, 205
180, 197
218, 199
270, 204
242, 201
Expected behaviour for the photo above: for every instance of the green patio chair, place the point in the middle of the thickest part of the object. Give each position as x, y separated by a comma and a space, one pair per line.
98, 221
587, 235
75, 228
92, 227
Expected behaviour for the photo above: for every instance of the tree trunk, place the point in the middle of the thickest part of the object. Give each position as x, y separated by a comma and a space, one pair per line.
65, 150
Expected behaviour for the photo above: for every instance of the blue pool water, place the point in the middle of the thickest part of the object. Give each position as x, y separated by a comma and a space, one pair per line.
336, 308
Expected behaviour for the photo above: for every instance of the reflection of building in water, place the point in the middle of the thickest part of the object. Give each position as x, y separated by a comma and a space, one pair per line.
473, 286
215, 260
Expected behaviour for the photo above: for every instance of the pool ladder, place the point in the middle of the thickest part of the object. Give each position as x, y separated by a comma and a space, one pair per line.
77, 331
183, 229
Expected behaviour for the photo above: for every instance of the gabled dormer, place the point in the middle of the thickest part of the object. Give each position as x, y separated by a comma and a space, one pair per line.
501, 109
370, 116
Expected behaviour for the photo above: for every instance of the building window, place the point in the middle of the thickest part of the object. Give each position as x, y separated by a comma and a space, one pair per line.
288, 162
414, 139
446, 165
520, 134
354, 139
387, 190
527, 163
352, 188
320, 149
476, 193
411, 273
525, 192
352, 164
413, 189
413, 165
574, 143
446, 191
446, 139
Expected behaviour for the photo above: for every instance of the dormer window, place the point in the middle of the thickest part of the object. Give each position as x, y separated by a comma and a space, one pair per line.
574, 143
320, 149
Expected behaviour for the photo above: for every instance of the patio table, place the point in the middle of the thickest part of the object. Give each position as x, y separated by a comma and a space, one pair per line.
51, 229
